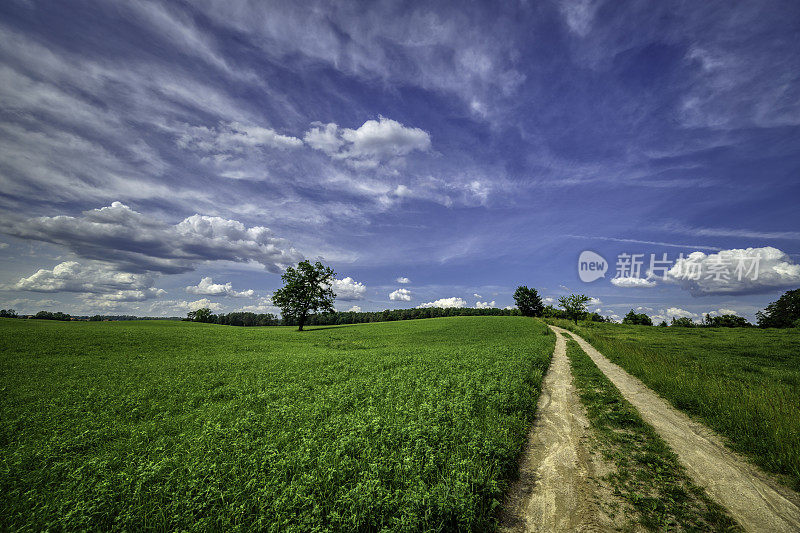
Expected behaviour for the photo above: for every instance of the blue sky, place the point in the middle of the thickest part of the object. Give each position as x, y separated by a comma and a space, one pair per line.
149, 146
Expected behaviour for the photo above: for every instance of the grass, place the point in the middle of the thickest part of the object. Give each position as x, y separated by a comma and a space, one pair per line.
648, 475
743, 383
413, 425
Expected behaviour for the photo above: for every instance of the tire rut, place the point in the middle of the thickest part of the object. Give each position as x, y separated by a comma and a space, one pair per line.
556, 490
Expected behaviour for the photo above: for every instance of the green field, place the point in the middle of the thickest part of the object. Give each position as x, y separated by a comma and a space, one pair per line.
742, 382
412, 425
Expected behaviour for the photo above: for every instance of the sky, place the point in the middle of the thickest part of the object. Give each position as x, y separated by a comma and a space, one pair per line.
157, 157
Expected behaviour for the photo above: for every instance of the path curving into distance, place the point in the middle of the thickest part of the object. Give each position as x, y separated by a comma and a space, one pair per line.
750, 496
554, 492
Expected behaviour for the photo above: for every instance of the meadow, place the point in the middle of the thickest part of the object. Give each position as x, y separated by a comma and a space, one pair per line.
743, 382
413, 425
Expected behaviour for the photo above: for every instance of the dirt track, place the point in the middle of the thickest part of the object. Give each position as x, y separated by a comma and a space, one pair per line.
557, 489
751, 497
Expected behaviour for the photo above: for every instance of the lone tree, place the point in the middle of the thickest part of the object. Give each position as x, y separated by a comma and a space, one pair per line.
306, 289
782, 313
528, 301
574, 305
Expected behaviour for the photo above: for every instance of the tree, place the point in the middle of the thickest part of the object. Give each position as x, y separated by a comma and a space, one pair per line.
683, 322
574, 305
201, 315
663, 324
528, 301
781, 313
637, 319
306, 290
726, 321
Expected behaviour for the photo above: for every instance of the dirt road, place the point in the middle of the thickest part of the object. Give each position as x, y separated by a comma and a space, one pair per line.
557, 490
751, 497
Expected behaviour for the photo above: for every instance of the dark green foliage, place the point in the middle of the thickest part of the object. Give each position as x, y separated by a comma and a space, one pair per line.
663, 324
47, 315
242, 318
683, 322
180, 426
637, 319
8, 313
201, 315
648, 474
782, 313
574, 306
726, 321
528, 301
306, 290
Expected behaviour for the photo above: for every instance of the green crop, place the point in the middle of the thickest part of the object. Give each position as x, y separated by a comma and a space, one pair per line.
413, 425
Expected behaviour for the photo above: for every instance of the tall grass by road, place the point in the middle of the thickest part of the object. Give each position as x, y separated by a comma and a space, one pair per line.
412, 425
744, 383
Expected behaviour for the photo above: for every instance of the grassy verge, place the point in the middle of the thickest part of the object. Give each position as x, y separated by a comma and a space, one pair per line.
413, 425
648, 475
743, 383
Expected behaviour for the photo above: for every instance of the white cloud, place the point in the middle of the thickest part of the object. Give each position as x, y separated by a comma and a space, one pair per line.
549, 300
3, 245
167, 307
207, 287
476, 295
445, 302
138, 243
735, 271
400, 295
233, 137
94, 280
348, 289
324, 137
484, 305
355, 309
727, 312
403, 280
594, 301
579, 15
262, 305
633, 282
677, 312
375, 142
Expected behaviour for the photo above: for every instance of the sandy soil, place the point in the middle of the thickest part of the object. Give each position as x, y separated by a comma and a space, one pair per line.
559, 487
757, 502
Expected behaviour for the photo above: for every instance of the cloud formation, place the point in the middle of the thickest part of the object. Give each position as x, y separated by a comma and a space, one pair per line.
348, 289
445, 302
138, 243
630, 282
400, 295
207, 287
375, 142
735, 271
484, 305
93, 280
233, 137
403, 280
